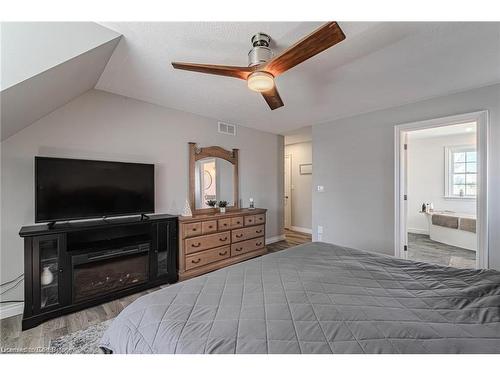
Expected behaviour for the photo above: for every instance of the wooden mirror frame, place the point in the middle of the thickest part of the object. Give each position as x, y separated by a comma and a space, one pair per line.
198, 153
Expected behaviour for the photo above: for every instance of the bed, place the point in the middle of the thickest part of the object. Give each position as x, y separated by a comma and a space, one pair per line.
317, 298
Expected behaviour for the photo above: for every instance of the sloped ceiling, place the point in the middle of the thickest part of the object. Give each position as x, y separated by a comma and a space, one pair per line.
46, 65
379, 65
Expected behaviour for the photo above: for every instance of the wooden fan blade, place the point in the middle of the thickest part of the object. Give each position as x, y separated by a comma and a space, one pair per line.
241, 72
273, 98
323, 38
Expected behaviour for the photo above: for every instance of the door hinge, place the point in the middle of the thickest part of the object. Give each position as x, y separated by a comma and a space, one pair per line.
405, 247
405, 197
406, 146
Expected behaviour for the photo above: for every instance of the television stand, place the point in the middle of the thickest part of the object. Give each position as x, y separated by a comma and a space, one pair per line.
72, 267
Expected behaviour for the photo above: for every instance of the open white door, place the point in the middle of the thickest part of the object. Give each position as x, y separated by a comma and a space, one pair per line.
404, 155
288, 191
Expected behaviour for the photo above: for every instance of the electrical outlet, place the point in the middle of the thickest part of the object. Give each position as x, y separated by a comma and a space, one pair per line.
321, 188
320, 229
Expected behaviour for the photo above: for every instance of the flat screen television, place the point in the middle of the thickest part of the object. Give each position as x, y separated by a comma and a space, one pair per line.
70, 189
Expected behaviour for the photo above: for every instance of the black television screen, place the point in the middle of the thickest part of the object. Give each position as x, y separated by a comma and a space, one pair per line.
68, 189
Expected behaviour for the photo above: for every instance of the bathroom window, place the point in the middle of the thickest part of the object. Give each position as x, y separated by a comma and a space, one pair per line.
461, 172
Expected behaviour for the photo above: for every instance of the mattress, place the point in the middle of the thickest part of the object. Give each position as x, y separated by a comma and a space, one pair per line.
317, 298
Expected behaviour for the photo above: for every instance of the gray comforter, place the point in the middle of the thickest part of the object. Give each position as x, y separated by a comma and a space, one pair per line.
317, 298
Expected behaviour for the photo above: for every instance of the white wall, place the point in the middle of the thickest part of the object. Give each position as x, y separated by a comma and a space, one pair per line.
354, 160
426, 178
301, 201
100, 125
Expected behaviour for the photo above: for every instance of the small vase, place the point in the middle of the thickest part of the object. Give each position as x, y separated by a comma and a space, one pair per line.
222, 210
187, 209
46, 277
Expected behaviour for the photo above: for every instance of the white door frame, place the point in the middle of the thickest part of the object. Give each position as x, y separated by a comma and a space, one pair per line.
288, 201
482, 144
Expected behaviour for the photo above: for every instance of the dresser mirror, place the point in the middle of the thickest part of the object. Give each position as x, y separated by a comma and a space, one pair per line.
213, 176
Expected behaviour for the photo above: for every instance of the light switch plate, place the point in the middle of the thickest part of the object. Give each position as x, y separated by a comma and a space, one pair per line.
320, 229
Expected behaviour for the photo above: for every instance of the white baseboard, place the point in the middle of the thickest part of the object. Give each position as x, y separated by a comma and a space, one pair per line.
11, 309
418, 231
274, 239
302, 230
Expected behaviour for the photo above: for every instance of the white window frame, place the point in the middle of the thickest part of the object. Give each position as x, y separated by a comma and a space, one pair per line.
448, 173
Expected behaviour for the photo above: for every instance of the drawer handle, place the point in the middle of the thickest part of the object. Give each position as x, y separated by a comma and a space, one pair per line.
224, 225
196, 245
194, 229
239, 235
224, 253
258, 231
210, 227
196, 261
258, 243
238, 249
238, 222
223, 239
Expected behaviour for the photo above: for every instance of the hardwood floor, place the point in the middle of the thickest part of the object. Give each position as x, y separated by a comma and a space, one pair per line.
37, 339
292, 238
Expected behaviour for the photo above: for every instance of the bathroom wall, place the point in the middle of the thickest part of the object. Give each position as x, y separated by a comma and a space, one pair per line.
426, 178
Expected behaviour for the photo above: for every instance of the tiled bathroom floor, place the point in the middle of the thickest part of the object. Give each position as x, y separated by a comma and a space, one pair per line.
422, 248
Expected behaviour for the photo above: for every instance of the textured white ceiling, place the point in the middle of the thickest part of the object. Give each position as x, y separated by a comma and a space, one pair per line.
379, 65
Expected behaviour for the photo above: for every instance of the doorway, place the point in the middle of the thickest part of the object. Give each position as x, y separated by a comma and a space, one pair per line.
297, 185
441, 191
288, 191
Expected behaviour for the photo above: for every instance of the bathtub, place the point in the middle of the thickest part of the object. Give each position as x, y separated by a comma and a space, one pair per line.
442, 228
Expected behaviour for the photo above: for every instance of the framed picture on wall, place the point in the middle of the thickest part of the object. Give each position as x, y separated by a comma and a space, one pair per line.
305, 168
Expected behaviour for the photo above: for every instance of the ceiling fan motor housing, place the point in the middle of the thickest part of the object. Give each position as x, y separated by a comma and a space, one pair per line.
260, 52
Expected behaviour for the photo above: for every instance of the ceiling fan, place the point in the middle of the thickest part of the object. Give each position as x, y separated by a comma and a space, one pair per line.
263, 68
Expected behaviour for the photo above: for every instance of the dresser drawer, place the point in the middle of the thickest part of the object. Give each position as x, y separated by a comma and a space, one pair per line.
224, 224
206, 257
247, 246
238, 235
191, 229
192, 245
249, 220
260, 219
237, 222
209, 226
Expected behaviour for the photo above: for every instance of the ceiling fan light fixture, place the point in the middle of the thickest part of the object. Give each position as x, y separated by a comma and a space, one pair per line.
260, 81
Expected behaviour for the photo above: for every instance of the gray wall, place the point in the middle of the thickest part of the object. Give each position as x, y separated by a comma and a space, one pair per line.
354, 160
100, 125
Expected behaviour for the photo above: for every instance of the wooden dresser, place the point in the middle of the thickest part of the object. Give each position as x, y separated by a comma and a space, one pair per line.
211, 241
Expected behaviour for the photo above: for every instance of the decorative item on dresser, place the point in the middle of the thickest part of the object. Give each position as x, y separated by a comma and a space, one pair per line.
214, 240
